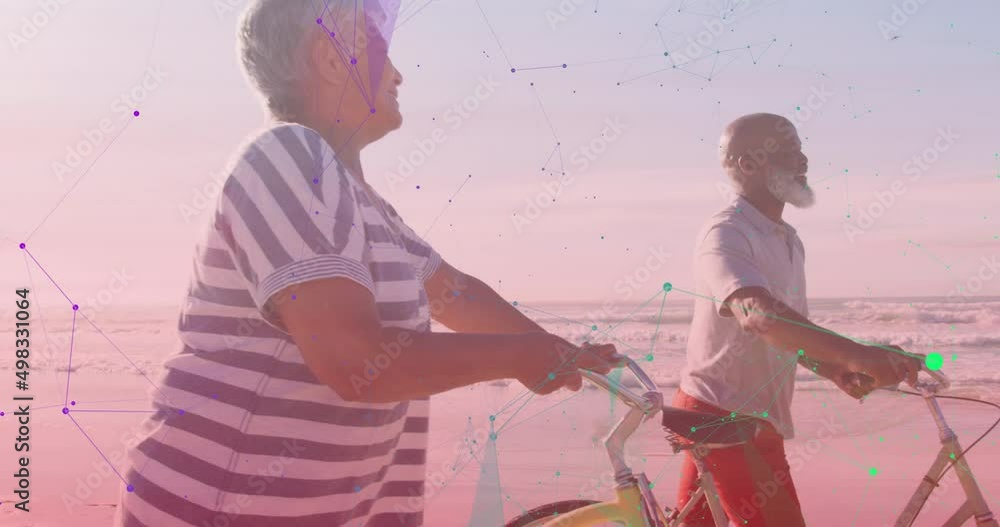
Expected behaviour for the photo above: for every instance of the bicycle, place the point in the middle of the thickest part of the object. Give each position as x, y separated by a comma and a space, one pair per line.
635, 506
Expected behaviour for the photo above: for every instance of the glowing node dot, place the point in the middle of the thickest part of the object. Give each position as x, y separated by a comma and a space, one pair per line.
512, 70
354, 61
373, 110
130, 488
934, 361
21, 246
565, 66
764, 414
802, 352
1, 414
557, 473
872, 471
315, 180
493, 418
65, 410
951, 456
493, 436
552, 376
72, 403
593, 328
693, 429
514, 302
649, 357
319, 20
667, 286
180, 412
75, 307
954, 356
136, 113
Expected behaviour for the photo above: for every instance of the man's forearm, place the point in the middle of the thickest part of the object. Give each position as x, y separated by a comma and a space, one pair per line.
479, 309
784, 328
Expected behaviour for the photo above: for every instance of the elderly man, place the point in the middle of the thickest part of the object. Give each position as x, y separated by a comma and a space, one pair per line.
750, 328
300, 395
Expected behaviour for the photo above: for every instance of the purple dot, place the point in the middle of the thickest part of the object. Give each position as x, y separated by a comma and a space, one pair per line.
1, 414
180, 412
319, 20
65, 410
136, 113
72, 403
22, 246
373, 110
75, 307
418, 187
215, 396
130, 488
512, 70
354, 61
564, 65
294, 297
332, 34
315, 180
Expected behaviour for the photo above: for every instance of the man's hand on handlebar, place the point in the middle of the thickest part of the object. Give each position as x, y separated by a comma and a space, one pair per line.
879, 367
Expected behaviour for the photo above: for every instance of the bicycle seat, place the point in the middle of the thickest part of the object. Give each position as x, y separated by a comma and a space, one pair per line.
705, 428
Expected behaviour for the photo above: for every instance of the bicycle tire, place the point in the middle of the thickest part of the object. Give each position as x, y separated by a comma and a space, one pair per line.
547, 512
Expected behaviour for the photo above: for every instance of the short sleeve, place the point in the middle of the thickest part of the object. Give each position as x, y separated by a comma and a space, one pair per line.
425, 259
289, 215
725, 262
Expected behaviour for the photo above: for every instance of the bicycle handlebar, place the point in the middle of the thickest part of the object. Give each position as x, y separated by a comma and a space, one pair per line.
627, 396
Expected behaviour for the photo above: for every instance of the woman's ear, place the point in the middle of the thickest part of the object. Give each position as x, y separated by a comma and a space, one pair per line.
325, 60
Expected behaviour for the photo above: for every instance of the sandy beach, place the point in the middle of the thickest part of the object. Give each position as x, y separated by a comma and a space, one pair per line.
547, 449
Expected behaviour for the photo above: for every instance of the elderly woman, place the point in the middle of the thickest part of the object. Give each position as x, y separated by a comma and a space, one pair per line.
300, 393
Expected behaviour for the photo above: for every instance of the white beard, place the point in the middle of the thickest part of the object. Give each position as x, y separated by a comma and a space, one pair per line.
784, 188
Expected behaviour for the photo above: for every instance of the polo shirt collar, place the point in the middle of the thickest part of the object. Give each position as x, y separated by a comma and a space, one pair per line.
757, 218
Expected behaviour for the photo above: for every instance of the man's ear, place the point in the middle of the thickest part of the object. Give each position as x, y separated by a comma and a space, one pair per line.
325, 60
746, 165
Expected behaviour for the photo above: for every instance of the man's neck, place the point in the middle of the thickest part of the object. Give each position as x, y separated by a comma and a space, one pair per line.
767, 204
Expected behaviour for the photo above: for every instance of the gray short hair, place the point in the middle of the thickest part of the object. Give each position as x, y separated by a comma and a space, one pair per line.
270, 38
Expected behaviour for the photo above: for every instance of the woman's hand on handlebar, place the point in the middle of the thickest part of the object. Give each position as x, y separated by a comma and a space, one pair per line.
546, 362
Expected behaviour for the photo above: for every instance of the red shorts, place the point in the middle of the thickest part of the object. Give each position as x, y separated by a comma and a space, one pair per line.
752, 479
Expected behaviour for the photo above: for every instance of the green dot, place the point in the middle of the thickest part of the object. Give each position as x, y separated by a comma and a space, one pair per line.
493, 436
763, 414
593, 328
649, 357
557, 474
733, 414
951, 456
934, 361
493, 418
872, 471
693, 429
802, 352
552, 376
651, 485
954, 356
667, 286
797, 108
880, 438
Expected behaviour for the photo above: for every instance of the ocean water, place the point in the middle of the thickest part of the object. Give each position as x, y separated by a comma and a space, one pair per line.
967, 333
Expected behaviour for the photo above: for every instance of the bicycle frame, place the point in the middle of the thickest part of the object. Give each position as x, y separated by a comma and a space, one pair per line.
975, 505
635, 506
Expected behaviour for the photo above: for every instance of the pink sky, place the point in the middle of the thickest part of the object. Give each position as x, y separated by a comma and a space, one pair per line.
650, 189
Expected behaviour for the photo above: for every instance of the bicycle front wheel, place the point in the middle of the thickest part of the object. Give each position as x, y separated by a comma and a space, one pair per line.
539, 515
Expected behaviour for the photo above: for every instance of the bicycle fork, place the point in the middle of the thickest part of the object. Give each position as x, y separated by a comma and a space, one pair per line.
975, 505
